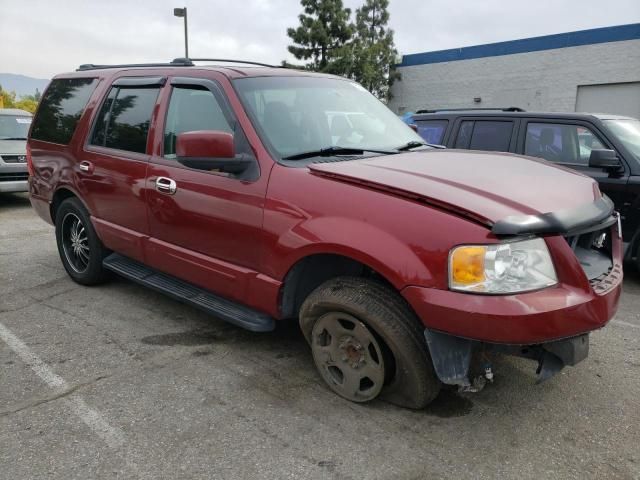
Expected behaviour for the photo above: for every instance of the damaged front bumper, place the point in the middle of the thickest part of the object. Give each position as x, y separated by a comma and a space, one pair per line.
452, 356
550, 325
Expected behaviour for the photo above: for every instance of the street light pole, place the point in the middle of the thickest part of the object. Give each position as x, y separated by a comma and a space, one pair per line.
182, 12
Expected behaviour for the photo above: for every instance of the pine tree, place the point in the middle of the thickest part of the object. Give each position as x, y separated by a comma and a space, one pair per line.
324, 31
374, 53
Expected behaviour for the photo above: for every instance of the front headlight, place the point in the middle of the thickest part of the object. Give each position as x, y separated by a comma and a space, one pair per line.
510, 267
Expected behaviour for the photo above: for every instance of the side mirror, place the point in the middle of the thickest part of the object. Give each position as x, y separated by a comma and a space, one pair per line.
209, 150
605, 159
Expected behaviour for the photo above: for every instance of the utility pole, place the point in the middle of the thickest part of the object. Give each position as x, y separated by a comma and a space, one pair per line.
182, 12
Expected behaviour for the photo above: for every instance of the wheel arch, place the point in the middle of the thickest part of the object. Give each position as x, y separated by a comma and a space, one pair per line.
337, 246
60, 195
312, 270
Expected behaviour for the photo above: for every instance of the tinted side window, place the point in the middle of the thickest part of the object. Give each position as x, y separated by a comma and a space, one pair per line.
561, 143
192, 109
432, 130
103, 119
61, 108
123, 121
464, 135
492, 136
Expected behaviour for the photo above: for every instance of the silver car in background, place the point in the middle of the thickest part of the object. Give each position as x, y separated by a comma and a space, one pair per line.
14, 127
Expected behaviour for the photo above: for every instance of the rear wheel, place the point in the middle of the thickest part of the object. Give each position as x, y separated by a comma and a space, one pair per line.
367, 343
80, 249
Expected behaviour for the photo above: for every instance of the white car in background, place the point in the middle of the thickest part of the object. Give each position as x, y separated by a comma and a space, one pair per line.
14, 127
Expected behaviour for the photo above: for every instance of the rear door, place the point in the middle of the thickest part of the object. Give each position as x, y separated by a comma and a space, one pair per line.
113, 163
497, 134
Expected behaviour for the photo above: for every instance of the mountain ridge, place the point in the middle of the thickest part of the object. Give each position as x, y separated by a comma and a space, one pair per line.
22, 84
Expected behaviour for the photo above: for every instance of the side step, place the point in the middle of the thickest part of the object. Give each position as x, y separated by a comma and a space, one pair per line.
222, 308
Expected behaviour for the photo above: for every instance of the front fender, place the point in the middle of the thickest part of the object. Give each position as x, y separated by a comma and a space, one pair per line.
389, 256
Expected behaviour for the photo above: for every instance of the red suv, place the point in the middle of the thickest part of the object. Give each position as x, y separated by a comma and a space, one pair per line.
260, 194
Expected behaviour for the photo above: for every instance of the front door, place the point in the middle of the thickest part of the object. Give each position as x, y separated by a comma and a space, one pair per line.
205, 226
569, 143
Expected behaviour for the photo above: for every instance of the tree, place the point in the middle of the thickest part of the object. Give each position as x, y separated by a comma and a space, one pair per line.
7, 99
324, 31
374, 52
26, 102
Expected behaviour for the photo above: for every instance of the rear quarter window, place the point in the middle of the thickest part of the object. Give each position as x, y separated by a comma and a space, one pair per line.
61, 109
432, 130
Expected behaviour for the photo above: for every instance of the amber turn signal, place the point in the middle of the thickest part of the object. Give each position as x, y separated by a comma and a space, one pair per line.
467, 265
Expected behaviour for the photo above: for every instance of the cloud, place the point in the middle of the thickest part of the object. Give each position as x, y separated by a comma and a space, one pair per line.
41, 38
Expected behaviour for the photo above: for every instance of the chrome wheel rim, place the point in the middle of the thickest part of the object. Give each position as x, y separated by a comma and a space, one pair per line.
75, 242
348, 356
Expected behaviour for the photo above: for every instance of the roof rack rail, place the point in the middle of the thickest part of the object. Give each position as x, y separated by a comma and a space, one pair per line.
176, 62
495, 109
227, 60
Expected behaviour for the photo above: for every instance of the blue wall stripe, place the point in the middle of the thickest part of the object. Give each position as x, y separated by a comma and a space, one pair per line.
535, 44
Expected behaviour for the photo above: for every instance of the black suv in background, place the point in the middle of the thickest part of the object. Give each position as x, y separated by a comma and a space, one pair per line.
605, 147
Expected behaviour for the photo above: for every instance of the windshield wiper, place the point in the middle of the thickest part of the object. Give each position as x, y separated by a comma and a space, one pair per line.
331, 151
411, 145
13, 138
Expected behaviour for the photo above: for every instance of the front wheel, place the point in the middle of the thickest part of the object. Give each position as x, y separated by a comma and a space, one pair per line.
367, 342
80, 249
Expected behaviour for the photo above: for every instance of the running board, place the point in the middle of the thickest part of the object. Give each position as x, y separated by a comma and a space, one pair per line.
184, 292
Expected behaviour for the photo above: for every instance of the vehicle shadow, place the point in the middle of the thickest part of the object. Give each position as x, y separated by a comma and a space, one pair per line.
632, 273
8, 200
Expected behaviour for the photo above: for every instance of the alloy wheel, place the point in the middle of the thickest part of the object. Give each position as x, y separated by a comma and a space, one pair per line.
75, 243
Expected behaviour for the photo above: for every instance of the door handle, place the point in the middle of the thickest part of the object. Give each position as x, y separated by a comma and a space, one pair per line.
85, 166
166, 185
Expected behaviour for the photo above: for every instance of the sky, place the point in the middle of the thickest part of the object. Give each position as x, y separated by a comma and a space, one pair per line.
40, 38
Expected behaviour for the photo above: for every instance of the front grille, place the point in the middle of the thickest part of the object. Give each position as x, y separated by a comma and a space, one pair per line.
14, 158
593, 249
13, 176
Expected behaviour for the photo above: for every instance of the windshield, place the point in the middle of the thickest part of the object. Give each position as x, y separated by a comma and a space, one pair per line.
14, 127
306, 114
628, 132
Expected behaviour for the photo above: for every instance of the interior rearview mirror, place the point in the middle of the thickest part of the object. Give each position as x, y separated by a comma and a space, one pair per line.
210, 150
605, 159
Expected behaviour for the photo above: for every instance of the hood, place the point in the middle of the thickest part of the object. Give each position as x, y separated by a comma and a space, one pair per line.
484, 186
13, 147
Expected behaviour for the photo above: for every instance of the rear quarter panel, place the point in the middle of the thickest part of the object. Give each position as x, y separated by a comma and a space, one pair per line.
54, 164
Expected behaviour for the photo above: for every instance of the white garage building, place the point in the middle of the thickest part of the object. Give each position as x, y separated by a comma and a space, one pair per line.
587, 71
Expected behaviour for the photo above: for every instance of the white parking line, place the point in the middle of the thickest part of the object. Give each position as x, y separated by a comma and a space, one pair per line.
626, 324
112, 436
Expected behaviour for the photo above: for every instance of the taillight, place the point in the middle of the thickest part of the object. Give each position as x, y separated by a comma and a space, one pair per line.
29, 161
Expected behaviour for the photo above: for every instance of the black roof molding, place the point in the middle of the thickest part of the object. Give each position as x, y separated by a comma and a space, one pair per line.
565, 222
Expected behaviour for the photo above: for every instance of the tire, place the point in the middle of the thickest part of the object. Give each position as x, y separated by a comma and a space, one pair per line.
80, 249
409, 378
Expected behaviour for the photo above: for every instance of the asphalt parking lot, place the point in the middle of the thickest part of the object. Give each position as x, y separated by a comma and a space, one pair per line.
117, 381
